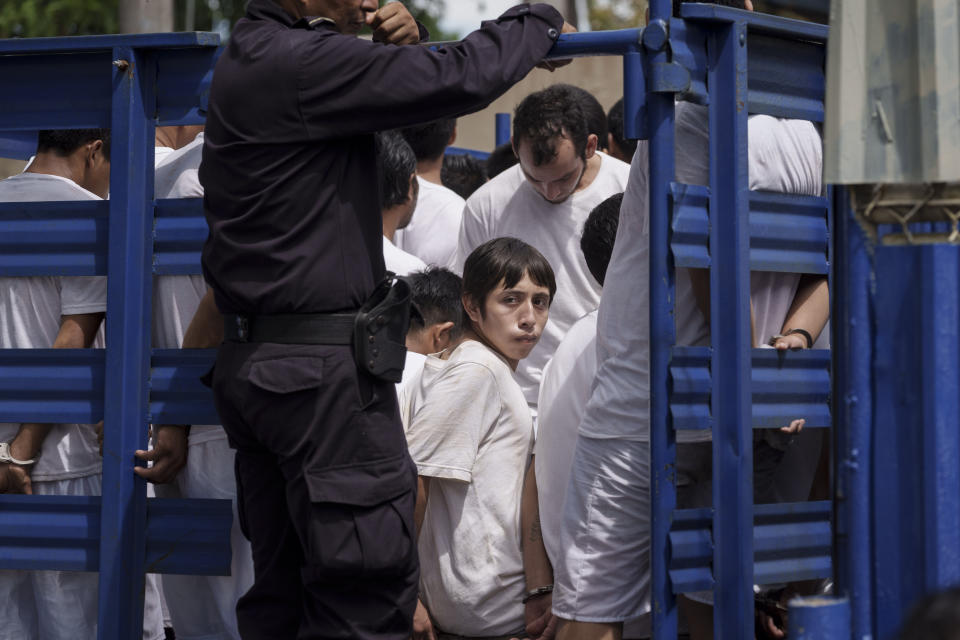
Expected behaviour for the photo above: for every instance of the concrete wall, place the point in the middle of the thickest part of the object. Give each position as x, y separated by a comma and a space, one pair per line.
602, 76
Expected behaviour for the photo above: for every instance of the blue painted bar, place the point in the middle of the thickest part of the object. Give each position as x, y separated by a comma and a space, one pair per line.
819, 618
663, 449
75, 44
784, 386
788, 233
176, 394
852, 339
53, 238
596, 43
634, 98
503, 132
791, 542
730, 335
123, 513
62, 533
756, 22
787, 78
179, 231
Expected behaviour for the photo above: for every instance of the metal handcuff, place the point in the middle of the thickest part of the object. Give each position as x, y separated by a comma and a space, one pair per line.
6, 457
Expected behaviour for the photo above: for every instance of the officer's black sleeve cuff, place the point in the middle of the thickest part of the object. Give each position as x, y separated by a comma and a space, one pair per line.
543, 11
424, 32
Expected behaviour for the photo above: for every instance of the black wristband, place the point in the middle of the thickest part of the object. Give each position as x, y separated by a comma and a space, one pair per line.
805, 334
534, 593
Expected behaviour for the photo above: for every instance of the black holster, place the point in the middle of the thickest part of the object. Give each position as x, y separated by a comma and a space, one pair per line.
380, 330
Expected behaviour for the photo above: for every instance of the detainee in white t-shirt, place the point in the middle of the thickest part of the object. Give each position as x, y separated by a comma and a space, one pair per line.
398, 198
436, 323
470, 435
544, 201
432, 233
607, 578
199, 465
43, 312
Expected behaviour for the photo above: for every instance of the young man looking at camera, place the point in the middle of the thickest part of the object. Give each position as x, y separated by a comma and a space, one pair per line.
471, 436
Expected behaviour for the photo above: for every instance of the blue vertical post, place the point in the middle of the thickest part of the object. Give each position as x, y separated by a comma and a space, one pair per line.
123, 511
730, 331
503, 128
634, 97
940, 290
852, 341
663, 450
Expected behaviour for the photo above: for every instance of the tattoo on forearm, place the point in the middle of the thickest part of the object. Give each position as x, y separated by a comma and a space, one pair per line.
536, 535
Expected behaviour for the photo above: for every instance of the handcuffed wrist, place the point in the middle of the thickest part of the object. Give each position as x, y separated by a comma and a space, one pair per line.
536, 593
5, 456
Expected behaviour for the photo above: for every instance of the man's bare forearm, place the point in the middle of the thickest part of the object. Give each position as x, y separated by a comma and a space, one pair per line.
206, 328
811, 306
536, 563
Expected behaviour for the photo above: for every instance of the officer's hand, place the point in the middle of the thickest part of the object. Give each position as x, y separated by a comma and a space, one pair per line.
422, 627
550, 65
393, 24
15, 479
169, 454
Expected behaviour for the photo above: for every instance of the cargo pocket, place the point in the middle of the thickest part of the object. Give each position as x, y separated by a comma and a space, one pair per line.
287, 374
361, 522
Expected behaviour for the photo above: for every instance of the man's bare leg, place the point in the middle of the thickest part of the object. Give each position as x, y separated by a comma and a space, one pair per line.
574, 630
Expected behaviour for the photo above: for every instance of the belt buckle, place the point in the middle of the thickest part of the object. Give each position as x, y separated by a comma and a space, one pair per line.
243, 328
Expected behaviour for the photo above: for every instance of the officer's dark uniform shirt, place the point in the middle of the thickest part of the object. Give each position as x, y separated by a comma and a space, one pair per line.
289, 164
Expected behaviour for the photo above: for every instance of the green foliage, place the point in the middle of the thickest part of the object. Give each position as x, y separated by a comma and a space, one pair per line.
38, 18
616, 14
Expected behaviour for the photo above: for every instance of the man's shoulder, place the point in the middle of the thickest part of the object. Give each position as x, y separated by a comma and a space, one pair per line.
39, 187
437, 196
613, 169
496, 191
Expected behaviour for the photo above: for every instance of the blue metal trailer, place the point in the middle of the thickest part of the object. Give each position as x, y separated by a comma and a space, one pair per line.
738, 63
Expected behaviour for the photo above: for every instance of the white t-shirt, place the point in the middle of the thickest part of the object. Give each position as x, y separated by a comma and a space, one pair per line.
471, 434
406, 388
432, 232
788, 156
508, 205
564, 392
399, 261
30, 310
176, 298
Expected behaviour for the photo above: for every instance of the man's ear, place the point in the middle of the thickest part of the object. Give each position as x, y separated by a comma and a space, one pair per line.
471, 307
93, 153
591, 148
413, 191
440, 336
453, 137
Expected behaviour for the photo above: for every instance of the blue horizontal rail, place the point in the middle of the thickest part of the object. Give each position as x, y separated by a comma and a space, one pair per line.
66, 386
596, 43
786, 76
788, 233
62, 533
785, 386
70, 238
791, 541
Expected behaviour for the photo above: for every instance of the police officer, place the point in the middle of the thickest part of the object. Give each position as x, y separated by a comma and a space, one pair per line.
302, 380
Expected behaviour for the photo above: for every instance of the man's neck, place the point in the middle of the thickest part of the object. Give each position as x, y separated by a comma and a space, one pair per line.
53, 165
590, 173
391, 218
429, 170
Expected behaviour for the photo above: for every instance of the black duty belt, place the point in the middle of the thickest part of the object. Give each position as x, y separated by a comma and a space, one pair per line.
303, 328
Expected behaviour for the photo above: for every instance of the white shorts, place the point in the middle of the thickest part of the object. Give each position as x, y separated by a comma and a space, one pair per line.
204, 607
603, 573
62, 605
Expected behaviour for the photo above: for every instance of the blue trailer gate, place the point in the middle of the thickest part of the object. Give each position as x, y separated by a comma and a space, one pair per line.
738, 63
